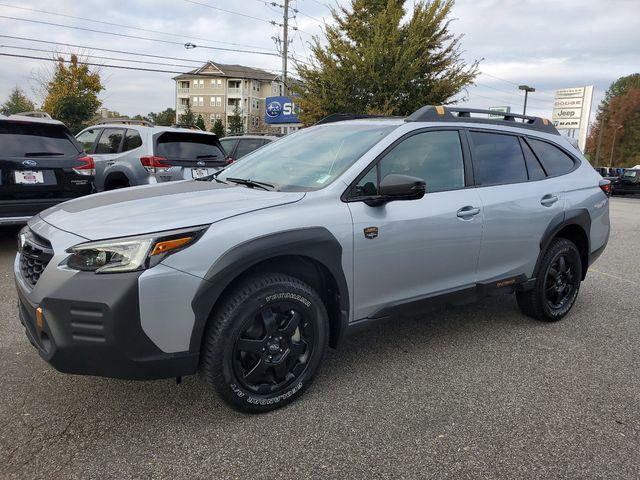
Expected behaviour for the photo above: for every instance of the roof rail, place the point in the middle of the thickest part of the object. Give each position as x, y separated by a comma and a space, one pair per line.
187, 127
125, 121
34, 114
341, 117
440, 113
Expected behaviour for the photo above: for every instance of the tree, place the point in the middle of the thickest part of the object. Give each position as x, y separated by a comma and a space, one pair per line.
235, 124
218, 128
200, 123
165, 118
72, 93
188, 118
618, 119
17, 103
375, 62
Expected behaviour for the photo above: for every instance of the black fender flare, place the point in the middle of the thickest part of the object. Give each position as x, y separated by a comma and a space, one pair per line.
579, 217
316, 243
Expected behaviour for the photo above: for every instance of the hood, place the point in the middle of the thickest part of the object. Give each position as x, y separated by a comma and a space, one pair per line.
154, 208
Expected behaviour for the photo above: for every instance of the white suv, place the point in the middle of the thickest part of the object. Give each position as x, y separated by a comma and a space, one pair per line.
131, 152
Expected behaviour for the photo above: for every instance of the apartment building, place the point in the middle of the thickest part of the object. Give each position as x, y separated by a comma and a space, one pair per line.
215, 90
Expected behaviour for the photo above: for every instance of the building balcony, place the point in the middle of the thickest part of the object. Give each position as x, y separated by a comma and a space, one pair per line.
183, 91
234, 92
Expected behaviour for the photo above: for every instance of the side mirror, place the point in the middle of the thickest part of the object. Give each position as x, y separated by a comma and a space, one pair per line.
398, 187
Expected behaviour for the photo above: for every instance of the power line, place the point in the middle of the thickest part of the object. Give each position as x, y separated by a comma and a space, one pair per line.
91, 64
98, 57
129, 26
170, 42
124, 52
231, 12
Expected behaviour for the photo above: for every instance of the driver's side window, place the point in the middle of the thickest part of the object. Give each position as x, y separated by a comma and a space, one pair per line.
435, 157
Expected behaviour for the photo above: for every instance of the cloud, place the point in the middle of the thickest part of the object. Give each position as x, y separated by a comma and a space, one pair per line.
544, 43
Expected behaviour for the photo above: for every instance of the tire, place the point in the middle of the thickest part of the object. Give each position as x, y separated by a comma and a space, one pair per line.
265, 342
555, 291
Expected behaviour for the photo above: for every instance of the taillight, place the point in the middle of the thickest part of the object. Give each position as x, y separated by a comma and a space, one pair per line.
89, 167
606, 187
229, 160
154, 164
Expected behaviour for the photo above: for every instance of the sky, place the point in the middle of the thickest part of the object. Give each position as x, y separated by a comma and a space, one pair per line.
542, 43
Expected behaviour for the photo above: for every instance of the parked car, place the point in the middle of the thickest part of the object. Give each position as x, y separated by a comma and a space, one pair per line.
249, 275
627, 183
130, 152
41, 165
237, 147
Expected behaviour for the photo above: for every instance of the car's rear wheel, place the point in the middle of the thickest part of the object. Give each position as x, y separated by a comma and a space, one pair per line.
557, 283
265, 342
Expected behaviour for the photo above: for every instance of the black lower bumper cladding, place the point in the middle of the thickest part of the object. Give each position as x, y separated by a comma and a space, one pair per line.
91, 326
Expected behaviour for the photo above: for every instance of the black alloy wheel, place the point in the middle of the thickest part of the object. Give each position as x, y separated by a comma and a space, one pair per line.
560, 282
273, 348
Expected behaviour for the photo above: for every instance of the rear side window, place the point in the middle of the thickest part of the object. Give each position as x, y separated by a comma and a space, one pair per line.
131, 140
554, 160
187, 146
536, 172
88, 138
248, 145
35, 140
228, 144
497, 159
110, 140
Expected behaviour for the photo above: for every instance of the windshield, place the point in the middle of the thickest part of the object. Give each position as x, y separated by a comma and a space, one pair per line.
35, 140
309, 159
630, 174
187, 146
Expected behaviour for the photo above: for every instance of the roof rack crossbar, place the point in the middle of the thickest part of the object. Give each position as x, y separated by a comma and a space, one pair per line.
125, 121
430, 113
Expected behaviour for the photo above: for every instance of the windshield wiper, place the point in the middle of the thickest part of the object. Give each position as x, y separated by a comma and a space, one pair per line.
251, 183
211, 155
43, 154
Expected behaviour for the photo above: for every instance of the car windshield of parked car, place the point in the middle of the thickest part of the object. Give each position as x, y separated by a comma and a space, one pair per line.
630, 174
309, 159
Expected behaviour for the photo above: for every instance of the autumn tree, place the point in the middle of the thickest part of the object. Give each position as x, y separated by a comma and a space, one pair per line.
218, 128
618, 119
17, 103
377, 61
72, 93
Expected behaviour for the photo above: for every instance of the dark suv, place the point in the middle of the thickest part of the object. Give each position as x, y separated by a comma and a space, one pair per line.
41, 165
627, 183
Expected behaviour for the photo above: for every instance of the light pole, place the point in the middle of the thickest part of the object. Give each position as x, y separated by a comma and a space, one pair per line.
526, 89
616, 127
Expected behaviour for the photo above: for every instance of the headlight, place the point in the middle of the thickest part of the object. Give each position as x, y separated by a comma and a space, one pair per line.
131, 253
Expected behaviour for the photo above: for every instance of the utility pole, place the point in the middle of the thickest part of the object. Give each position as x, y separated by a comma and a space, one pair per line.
285, 45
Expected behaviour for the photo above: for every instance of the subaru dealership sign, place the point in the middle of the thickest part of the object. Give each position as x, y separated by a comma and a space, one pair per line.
281, 110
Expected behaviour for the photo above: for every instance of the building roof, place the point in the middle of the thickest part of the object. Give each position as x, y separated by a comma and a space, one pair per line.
211, 69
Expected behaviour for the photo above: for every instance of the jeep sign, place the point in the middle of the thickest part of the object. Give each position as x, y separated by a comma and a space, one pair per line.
280, 110
571, 110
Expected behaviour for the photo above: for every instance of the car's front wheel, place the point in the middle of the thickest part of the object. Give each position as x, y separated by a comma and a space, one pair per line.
557, 283
265, 342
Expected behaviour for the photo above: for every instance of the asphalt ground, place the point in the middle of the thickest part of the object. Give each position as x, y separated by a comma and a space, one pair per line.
477, 391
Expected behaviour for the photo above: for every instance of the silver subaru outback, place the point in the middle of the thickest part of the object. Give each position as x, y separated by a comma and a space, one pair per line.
248, 275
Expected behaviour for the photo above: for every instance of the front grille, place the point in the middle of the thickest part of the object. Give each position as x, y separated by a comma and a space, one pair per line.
35, 255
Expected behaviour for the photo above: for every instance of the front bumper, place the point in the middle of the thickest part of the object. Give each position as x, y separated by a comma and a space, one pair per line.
91, 326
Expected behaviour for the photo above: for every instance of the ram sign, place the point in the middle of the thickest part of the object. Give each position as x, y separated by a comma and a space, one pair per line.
280, 110
571, 110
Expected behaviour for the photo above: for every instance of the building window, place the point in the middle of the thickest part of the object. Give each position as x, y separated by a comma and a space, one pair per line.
198, 84
197, 102
215, 102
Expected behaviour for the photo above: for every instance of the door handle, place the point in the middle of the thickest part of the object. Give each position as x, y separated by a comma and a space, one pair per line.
467, 212
548, 200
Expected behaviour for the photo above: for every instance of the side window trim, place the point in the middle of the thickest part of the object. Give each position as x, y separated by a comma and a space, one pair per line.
348, 194
523, 143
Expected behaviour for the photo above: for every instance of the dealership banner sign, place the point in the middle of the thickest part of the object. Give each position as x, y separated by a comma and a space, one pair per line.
281, 110
571, 111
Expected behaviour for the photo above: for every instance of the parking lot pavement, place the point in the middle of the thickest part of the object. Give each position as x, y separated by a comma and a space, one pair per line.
477, 391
